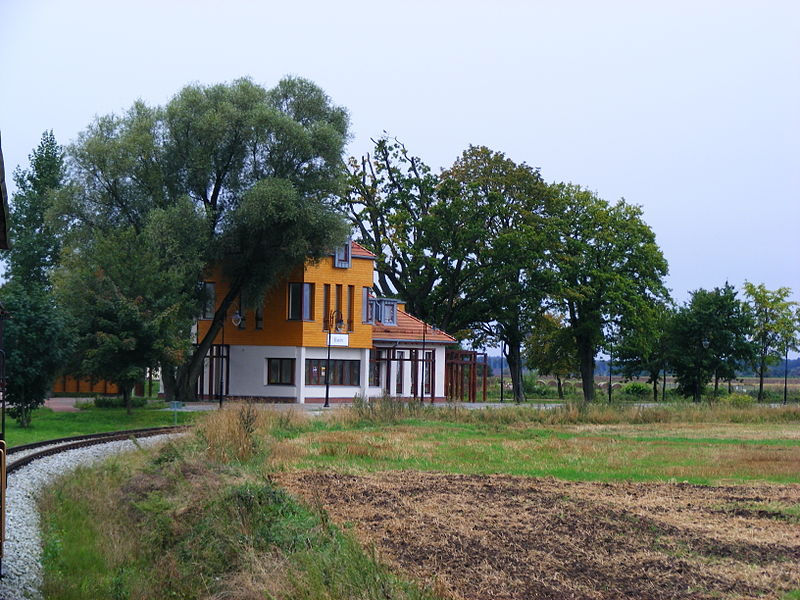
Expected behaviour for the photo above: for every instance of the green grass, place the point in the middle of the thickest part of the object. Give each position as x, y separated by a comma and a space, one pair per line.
534, 450
47, 425
200, 529
201, 517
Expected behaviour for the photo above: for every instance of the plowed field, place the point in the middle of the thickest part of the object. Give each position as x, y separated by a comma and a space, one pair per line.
498, 536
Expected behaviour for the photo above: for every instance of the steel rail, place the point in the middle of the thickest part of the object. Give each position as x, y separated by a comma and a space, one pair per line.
83, 441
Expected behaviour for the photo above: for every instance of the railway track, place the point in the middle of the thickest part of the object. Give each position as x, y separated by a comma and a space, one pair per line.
21, 580
56, 446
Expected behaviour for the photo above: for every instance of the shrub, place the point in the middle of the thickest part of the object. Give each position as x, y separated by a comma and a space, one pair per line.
737, 400
636, 389
537, 388
117, 402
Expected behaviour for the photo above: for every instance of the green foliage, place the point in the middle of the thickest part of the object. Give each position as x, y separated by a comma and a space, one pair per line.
51, 425
642, 344
737, 400
535, 389
36, 335
512, 255
35, 242
708, 338
204, 531
635, 389
776, 326
37, 342
422, 233
607, 267
232, 175
117, 402
550, 349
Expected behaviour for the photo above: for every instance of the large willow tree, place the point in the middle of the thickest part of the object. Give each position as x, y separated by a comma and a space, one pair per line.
251, 170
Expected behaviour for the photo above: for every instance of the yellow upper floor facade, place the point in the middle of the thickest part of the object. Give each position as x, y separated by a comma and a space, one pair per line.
299, 310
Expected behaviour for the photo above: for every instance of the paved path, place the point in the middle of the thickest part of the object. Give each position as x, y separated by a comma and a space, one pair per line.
63, 404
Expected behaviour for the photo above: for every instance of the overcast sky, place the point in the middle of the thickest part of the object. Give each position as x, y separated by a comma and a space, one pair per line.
690, 109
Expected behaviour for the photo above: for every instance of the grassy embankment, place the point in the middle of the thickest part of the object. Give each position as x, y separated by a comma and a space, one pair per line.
47, 425
210, 523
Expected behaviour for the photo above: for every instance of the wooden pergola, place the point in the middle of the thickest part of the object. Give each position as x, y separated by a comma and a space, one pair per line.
462, 375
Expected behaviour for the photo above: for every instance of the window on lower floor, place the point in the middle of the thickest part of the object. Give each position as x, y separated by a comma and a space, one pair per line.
398, 387
343, 372
426, 372
280, 371
375, 368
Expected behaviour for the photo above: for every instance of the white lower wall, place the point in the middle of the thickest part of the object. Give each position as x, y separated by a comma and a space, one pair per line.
248, 372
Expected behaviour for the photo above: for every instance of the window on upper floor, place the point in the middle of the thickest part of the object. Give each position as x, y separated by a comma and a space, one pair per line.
367, 306
209, 295
351, 306
259, 317
301, 302
342, 257
388, 312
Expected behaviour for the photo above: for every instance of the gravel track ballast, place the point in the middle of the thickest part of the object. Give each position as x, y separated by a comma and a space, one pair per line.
22, 566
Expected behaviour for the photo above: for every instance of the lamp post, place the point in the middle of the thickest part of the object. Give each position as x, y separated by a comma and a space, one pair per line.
339, 324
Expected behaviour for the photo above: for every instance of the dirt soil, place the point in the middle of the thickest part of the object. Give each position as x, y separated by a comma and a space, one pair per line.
498, 536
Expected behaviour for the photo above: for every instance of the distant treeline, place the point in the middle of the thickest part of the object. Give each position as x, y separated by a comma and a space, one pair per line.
601, 369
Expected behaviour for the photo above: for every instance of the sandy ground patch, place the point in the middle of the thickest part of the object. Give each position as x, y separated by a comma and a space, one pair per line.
502, 536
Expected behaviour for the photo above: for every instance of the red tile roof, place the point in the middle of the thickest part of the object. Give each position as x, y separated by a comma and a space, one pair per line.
409, 329
358, 250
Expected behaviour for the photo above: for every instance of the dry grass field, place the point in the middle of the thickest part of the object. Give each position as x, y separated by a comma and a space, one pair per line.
500, 536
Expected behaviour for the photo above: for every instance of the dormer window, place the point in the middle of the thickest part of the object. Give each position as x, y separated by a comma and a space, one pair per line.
342, 258
389, 312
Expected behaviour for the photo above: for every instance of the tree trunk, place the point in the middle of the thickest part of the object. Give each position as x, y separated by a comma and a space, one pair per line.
655, 389
126, 398
586, 361
187, 373
560, 388
514, 357
716, 385
761, 368
664, 386
168, 379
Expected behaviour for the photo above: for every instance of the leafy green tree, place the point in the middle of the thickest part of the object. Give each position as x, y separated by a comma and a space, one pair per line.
260, 167
37, 345
774, 323
424, 233
512, 276
132, 310
607, 268
550, 348
36, 244
642, 346
464, 250
708, 337
36, 335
